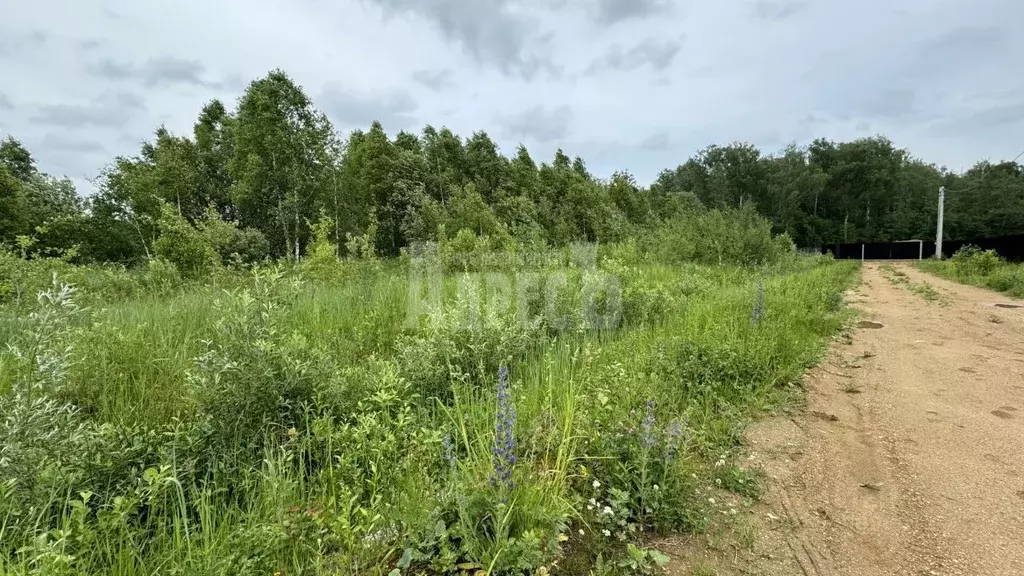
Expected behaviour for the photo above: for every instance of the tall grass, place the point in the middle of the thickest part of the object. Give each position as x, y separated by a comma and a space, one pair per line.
295, 424
980, 268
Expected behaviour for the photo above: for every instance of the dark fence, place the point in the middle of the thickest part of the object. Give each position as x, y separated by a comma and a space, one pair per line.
1009, 247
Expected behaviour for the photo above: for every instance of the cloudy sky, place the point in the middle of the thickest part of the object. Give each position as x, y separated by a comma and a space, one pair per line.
627, 84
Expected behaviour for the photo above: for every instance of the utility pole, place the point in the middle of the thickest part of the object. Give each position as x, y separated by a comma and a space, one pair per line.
938, 228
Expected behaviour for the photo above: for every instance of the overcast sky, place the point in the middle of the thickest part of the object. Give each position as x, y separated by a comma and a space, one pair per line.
627, 84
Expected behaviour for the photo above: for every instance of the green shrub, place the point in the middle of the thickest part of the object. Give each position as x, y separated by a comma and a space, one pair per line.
253, 380
233, 245
160, 277
971, 261
740, 237
184, 246
464, 340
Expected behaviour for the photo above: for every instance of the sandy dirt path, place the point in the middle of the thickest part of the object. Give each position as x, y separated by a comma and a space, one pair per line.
909, 456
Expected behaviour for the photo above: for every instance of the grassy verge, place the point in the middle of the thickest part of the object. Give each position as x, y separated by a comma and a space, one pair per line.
984, 269
299, 424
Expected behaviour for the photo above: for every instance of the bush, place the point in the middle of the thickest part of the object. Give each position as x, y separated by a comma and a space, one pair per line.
463, 341
739, 237
253, 380
971, 261
22, 280
184, 246
232, 244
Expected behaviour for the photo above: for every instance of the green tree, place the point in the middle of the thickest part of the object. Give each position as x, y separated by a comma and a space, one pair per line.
17, 159
281, 161
214, 143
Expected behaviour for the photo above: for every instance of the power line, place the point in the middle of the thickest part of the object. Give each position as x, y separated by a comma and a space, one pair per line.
942, 204
984, 176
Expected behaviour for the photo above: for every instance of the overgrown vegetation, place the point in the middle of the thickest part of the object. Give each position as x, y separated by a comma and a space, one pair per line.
291, 418
984, 268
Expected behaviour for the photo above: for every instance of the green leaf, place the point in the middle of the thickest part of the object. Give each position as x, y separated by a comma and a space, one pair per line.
405, 560
659, 558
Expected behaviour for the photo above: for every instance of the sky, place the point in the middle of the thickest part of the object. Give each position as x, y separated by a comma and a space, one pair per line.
637, 85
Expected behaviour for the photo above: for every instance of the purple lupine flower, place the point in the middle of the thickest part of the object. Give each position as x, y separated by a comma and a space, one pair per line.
503, 457
758, 311
672, 440
449, 450
647, 425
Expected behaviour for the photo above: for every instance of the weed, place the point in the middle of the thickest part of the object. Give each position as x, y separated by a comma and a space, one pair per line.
704, 570
287, 419
971, 265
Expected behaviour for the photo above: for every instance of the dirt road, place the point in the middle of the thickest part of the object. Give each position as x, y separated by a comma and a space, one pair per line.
909, 457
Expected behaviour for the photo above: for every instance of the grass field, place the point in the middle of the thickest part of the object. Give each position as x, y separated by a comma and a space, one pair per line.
307, 421
980, 268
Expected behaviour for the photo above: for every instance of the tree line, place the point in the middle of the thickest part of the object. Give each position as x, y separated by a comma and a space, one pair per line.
260, 181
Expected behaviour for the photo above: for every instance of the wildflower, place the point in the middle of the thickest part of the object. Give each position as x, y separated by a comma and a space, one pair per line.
589, 507
593, 501
647, 425
582, 532
606, 532
596, 484
711, 501
449, 450
503, 457
758, 311
655, 487
608, 510
672, 439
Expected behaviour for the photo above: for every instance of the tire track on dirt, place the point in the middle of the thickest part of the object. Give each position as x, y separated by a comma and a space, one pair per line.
907, 459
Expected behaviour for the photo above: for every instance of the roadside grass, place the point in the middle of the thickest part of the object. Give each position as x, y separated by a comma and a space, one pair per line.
1004, 277
288, 423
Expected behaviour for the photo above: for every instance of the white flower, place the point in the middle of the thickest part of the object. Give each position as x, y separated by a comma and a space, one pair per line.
711, 501
606, 532
596, 484
656, 487
581, 532
589, 507
593, 502
607, 510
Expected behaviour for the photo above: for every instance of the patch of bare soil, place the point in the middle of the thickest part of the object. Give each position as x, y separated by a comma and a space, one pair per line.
908, 457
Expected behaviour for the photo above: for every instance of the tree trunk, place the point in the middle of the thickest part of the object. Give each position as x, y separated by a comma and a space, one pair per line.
284, 228
337, 220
